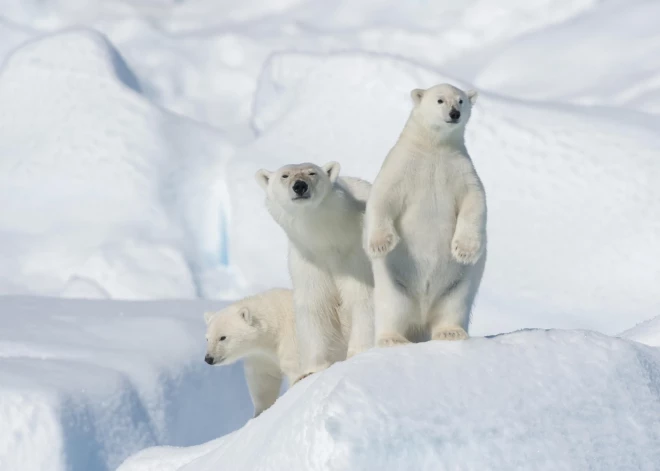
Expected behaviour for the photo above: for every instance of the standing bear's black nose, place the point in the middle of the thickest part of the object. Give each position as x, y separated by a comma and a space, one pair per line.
300, 187
208, 359
454, 114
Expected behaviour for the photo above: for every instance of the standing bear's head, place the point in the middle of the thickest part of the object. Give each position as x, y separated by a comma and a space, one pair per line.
443, 108
232, 334
299, 186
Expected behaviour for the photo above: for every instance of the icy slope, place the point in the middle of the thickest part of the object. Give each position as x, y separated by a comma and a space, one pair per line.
606, 56
554, 400
647, 332
86, 383
574, 208
202, 58
102, 193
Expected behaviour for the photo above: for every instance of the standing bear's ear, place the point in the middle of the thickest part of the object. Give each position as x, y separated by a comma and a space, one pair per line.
417, 95
208, 317
246, 316
332, 169
472, 95
262, 177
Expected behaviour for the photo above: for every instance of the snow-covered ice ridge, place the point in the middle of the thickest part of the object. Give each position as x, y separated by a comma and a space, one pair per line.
84, 383
129, 135
541, 400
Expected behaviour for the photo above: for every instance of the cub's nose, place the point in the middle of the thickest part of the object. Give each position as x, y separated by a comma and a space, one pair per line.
300, 187
454, 114
208, 359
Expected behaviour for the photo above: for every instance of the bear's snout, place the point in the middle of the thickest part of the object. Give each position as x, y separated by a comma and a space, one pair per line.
300, 187
209, 359
454, 114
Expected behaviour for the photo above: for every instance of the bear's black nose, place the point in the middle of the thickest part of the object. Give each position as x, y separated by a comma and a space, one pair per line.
208, 359
454, 114
300, 187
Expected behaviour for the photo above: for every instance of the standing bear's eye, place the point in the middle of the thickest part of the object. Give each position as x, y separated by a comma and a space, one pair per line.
440, 101
285, 176
224, 337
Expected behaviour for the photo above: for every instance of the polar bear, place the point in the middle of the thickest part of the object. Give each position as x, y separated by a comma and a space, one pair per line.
259, 330
322, 216
426, 224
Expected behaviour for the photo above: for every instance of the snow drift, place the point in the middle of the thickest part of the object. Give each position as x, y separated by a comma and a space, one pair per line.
85, 383
102, 193
528, 400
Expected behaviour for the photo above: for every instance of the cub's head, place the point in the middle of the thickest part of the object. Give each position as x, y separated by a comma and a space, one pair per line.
231, 334
443, 108
298, 186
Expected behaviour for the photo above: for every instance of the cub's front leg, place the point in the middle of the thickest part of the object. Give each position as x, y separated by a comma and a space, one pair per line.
469, 241
264, 379
380, 235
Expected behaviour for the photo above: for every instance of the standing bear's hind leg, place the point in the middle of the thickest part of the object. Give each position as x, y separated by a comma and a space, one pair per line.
450, 314
394, 309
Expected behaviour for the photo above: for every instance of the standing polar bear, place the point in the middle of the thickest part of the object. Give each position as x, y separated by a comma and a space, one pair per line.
322, 216
426, 224
259, 330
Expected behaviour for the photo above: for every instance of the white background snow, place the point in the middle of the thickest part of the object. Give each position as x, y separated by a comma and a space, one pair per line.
130, 131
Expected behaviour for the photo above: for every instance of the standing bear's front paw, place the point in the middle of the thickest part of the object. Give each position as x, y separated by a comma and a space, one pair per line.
466, 249
381, 243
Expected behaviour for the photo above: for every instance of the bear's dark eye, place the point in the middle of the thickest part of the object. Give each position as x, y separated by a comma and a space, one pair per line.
440, 101
285, 176
460, 102
311, 174
224, 337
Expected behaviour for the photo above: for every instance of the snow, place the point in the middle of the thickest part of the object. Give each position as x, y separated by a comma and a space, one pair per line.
129, 136
528, 400
647, 332
87, 382
138, 192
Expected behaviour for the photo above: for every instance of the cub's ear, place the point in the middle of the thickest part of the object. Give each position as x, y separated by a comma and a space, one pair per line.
208, 317
332, 169
417, 95
247, 316
262, 177
472, 95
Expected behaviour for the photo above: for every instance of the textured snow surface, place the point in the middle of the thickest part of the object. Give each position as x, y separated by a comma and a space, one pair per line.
528, 400
86, 382
102, 193
129, 136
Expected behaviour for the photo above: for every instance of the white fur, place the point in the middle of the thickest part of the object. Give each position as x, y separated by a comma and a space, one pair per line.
426, 224
331, 274
259, 330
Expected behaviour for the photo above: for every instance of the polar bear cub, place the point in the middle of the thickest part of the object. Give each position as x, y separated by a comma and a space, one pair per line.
322, 216
259, 330
426, 224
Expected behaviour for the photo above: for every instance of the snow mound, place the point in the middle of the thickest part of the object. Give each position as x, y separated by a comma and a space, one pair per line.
102, 193
85, 383
527, 400
647, 332
614, 46
574, 211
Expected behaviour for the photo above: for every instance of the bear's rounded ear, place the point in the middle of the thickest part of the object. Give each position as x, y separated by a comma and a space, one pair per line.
472, 95
332, 169
417, 95
246, 316
262, 177
208, 317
